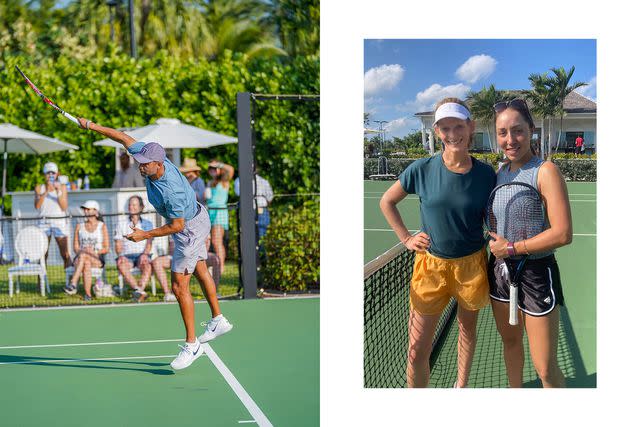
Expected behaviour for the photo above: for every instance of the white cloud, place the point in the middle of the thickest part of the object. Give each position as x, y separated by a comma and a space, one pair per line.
590, 90
401, 126
382, 78
427, 99
475, 68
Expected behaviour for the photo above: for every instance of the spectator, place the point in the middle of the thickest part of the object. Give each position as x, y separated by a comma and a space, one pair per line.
132, 254
129, 175
191, 171
51, 203
213, 263
91, 243
579, 145
217, 195
263, 197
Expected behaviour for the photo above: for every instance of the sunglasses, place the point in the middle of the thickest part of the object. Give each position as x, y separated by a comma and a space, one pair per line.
517, 104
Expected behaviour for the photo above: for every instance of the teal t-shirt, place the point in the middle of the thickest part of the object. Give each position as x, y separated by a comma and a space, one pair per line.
451, 204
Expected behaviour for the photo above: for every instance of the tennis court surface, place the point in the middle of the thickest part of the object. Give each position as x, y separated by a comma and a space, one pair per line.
109, 365
387, 295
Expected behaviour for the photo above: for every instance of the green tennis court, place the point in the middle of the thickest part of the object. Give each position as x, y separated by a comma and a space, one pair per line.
109, 365
577, 349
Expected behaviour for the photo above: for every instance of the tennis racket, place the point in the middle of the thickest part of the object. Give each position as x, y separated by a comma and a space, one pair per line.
47, 100
516, 212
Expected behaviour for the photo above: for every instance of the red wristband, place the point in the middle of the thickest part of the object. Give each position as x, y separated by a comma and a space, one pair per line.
510, 249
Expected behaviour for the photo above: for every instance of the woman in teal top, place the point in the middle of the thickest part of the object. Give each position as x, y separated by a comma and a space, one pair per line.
450, 249
217, 194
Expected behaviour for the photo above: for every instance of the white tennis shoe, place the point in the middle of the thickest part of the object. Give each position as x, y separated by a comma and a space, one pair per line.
188, 354
214, 328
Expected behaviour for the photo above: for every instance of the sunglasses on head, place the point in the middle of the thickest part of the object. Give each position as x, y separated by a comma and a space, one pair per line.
518, 104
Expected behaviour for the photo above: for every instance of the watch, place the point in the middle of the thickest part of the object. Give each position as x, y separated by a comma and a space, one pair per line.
511, 250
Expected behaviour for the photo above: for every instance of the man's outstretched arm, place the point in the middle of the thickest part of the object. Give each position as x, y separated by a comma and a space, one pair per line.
110, 133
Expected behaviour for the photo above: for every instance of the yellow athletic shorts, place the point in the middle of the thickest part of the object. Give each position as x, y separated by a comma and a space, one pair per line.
435, 280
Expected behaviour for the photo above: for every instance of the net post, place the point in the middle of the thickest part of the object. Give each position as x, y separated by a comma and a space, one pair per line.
248, 272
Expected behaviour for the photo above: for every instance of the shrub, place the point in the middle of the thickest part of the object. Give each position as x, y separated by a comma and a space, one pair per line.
577, 169
292, 247
574, 168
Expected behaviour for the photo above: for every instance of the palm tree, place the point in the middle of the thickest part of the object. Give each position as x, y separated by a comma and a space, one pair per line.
561, 88
542, 98
297, 23
241, 26
481, 104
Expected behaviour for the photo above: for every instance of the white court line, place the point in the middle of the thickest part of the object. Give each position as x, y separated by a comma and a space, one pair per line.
414, 231
36, 361
416, 198
87, 344
247, 401
153, 304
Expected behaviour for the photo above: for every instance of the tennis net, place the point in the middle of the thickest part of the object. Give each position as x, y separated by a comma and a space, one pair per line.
386, 317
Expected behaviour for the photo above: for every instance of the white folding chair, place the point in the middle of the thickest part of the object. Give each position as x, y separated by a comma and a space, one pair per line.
31, 246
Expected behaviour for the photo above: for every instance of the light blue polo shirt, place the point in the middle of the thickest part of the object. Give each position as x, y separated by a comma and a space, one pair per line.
171, 194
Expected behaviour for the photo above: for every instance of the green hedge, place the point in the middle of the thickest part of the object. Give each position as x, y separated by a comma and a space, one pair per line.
574, 168
292, 244
577, 169
118, 91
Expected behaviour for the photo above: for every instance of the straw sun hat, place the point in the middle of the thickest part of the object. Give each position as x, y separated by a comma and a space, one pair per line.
189, 165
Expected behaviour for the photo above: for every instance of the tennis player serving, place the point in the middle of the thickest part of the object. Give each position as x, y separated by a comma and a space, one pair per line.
188, 222
540, 291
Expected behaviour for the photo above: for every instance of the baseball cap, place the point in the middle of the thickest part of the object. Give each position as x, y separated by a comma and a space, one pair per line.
50, 167
151, 152
452, 109
90, 204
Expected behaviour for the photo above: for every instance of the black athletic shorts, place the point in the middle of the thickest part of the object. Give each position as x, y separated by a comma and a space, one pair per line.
540, 288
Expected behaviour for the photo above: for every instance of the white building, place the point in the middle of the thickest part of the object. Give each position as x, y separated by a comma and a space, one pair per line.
579, 120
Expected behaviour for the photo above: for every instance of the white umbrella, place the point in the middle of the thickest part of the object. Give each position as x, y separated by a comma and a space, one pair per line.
172, 133
17, 140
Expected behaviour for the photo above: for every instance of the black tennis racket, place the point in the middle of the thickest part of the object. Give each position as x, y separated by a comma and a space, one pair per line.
45, 99
516, 212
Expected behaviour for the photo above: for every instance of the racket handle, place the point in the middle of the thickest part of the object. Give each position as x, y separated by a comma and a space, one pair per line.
513, 305
70, 117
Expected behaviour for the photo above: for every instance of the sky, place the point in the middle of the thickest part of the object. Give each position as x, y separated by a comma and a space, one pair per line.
404, 77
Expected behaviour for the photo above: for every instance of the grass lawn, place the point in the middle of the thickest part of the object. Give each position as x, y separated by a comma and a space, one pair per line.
30, 290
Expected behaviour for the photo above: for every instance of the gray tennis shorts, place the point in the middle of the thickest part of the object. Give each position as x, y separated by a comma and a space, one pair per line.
190, 243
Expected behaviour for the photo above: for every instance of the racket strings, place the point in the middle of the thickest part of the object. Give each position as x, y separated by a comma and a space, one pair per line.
516, 212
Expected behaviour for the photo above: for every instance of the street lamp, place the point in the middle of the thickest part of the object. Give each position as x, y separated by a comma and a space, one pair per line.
134, 52
112, 5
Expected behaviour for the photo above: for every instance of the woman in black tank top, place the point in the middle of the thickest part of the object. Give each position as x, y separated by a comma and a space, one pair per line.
514, 128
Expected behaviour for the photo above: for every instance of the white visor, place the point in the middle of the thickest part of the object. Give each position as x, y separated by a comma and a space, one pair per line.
452, 109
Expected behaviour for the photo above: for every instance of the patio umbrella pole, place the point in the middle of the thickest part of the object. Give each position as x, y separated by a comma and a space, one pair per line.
4, 176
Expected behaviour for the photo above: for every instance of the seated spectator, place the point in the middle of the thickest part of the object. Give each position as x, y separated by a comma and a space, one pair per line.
91, 243
162, 263
134, 254
159, 265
